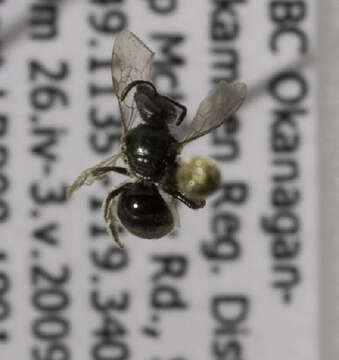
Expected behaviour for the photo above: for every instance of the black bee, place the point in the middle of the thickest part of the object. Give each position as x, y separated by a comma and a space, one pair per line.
148, 148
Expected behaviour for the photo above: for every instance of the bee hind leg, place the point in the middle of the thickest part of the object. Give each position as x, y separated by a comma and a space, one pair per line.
110, 219
191, 203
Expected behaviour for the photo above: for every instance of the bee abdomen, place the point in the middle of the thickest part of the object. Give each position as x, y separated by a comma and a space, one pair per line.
144, 213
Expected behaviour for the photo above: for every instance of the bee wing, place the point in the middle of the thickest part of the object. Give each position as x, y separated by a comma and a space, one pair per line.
215, 109
131, 60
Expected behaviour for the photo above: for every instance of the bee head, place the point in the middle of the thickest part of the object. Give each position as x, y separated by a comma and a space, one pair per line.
154, 109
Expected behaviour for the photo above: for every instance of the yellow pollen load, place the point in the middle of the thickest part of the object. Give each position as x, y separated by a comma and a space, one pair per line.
198, 177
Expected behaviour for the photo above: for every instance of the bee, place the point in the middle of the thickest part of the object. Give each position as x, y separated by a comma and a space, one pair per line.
148, 149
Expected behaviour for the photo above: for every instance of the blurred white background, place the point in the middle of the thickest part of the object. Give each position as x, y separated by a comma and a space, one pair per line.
240, 278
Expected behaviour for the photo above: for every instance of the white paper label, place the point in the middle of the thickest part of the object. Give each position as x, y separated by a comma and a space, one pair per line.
238, 280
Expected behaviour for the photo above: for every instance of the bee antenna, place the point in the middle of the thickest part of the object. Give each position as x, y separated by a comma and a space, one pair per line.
131, 85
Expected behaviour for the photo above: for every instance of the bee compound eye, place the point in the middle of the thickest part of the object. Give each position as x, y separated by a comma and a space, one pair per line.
147, 107
147, 90
168, 111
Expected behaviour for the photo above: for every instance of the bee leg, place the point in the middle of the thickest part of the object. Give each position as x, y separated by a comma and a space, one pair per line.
86, 177
108, 214
92, 174
191, 203
103, 170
